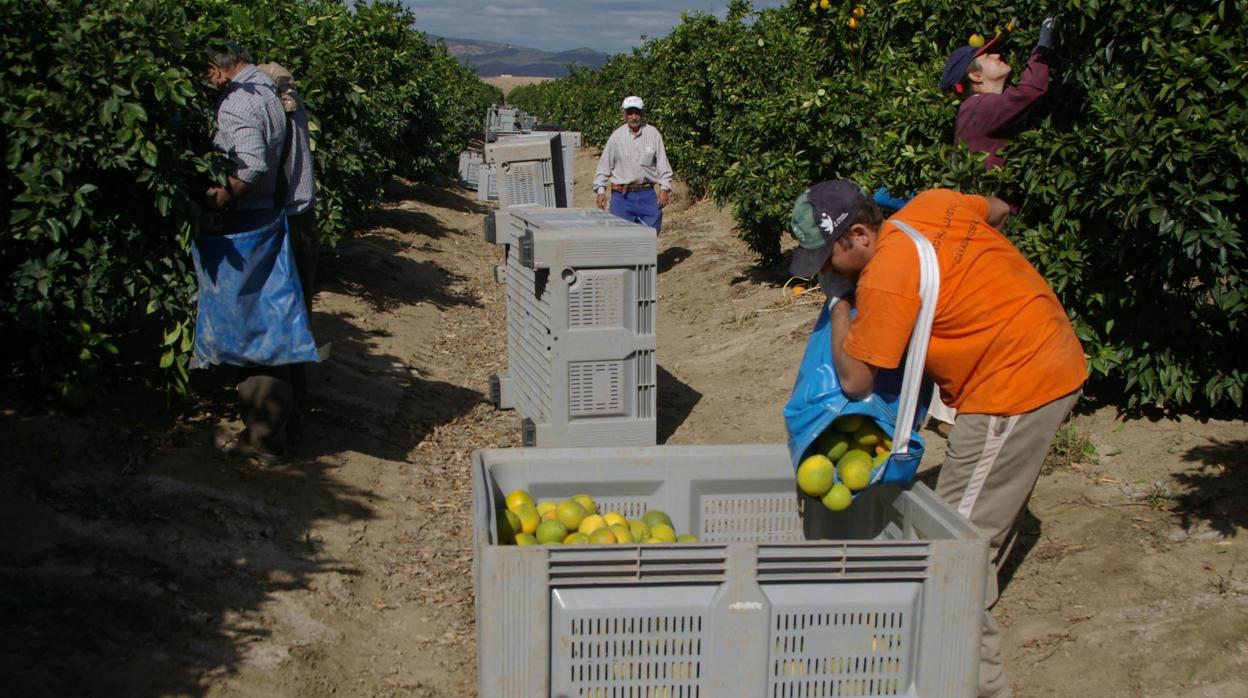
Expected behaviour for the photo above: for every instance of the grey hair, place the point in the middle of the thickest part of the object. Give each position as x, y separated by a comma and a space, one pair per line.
227, 55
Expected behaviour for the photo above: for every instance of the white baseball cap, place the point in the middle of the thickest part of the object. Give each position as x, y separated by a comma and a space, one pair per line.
633, 102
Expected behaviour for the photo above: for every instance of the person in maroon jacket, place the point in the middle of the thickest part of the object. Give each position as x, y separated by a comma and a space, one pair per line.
991, 112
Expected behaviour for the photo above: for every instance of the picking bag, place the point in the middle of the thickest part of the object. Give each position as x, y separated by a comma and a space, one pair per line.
897, 403
250, 308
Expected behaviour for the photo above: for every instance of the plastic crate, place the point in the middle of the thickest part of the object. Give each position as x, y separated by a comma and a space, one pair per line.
469, 167
883, 599
531, 169
581, 294
487, 183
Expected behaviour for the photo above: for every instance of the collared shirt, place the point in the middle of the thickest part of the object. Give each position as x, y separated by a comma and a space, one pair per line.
251, 130
634, 159
301, 190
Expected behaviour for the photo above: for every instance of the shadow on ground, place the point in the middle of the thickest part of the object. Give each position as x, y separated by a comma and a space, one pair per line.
1217, 488
676, 401
672, 256
435, 195
372, 267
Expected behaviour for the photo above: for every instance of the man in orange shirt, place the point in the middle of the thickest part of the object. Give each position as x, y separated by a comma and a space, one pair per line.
1002, 350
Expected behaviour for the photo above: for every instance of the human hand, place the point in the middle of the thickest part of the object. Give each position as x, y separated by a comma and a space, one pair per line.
217, 197
663, 197
1048, 33
602, 201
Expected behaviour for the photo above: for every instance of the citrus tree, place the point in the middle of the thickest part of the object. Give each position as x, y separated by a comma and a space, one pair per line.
1130, 177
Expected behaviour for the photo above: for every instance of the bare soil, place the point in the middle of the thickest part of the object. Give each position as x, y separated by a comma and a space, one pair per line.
507, 83
138, 562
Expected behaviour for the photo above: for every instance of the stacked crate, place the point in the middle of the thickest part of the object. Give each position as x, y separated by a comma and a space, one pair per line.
532, 170
470, 162
581, 293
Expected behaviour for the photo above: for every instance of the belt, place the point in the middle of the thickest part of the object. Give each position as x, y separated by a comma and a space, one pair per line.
631, 187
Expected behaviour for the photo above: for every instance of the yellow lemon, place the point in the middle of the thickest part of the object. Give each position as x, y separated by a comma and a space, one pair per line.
613, 518
976, 40
551, 532
587, 503
814, 475
621, 532
518, 497
855, 475
663, 532
543, 507
655, 516
838, 498
576, 538
853, 22
526, 539
591, 523
571, 514
602, 536
508, 526
529, 518
639, 530
860, 12
825, 4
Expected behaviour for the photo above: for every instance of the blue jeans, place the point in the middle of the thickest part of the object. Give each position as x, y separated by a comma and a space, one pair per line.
638, 207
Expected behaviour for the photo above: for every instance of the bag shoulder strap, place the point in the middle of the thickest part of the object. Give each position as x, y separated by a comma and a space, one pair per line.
916, 355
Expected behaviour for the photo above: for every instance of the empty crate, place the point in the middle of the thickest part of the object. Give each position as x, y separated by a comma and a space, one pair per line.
531, 170
469, 168
883, 599
581, 290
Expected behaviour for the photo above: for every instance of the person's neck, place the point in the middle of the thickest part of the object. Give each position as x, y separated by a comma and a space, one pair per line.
637, 128
995, 87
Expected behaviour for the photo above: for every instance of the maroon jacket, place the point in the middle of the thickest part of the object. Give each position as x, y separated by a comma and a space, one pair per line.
986, 120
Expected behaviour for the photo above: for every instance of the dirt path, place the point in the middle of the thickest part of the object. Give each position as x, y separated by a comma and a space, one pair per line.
139, 563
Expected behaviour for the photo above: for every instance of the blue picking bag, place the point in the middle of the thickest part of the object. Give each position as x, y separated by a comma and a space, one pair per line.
899, 398
817, 401
250, 308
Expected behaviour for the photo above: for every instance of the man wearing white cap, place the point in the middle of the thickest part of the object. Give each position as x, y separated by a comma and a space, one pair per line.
632, 162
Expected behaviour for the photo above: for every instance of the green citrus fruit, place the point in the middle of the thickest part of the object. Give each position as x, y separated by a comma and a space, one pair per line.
576, 539
849, 423
518, 497
587, 503
508, 526
655, 516
552, 532
571, 514
623, 534
663, 532
686, 538
602, 536
529, 518
855, 475
639, 530
815, 475
526, 539
838, 498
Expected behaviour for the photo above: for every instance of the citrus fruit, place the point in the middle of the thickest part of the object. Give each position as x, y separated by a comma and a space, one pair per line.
518, 497
543, 507
591, 523
860, 12
853, 22
651, 540
602, 536
587, 503
838, 498
526, 539
576, 538
849, 423
881, 457
508, 526
686, 538
639, 530
571, 514
654, 516
814, 5
976, 40
529, 518
663, 532
825, 4
551, 532
622, 533
550, 515
854, 455
814, 475
855, 474
614, 517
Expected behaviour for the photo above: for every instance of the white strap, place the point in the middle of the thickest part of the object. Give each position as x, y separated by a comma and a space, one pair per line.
916, 356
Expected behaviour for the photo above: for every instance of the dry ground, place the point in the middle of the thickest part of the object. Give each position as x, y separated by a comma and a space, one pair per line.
139, 563
507, 83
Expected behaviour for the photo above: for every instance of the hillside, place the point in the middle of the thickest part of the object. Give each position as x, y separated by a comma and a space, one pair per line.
493, 59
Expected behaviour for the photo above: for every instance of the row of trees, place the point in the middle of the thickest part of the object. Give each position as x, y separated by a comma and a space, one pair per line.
1131, 179
107, 149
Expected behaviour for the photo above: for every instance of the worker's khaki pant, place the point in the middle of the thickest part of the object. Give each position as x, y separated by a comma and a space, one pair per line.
991, 467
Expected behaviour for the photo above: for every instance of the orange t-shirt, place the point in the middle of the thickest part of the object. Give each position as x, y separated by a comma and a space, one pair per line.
1001, 342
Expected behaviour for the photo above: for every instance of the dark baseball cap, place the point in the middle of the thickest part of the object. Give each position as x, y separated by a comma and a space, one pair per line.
821, 215
958, 61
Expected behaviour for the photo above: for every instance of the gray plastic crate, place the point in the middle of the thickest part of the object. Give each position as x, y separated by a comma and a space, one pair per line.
581, 294
532, 170
487, 183
883, 599
469, 167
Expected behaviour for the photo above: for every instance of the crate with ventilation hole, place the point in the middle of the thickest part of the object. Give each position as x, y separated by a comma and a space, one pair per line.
469, 168
883, 599
531, 170
581, 293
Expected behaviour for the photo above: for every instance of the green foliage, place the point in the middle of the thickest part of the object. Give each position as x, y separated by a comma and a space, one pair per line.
1131, 176
107, 149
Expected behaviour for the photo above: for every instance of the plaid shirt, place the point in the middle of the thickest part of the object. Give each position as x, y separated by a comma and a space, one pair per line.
251, 130
634, 159
301, 193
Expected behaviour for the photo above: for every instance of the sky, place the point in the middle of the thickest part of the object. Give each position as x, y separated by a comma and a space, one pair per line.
609, 26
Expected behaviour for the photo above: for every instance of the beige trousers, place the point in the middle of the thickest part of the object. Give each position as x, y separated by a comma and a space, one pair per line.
991, 467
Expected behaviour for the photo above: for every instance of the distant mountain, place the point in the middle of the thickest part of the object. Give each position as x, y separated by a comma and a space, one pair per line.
490, 59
